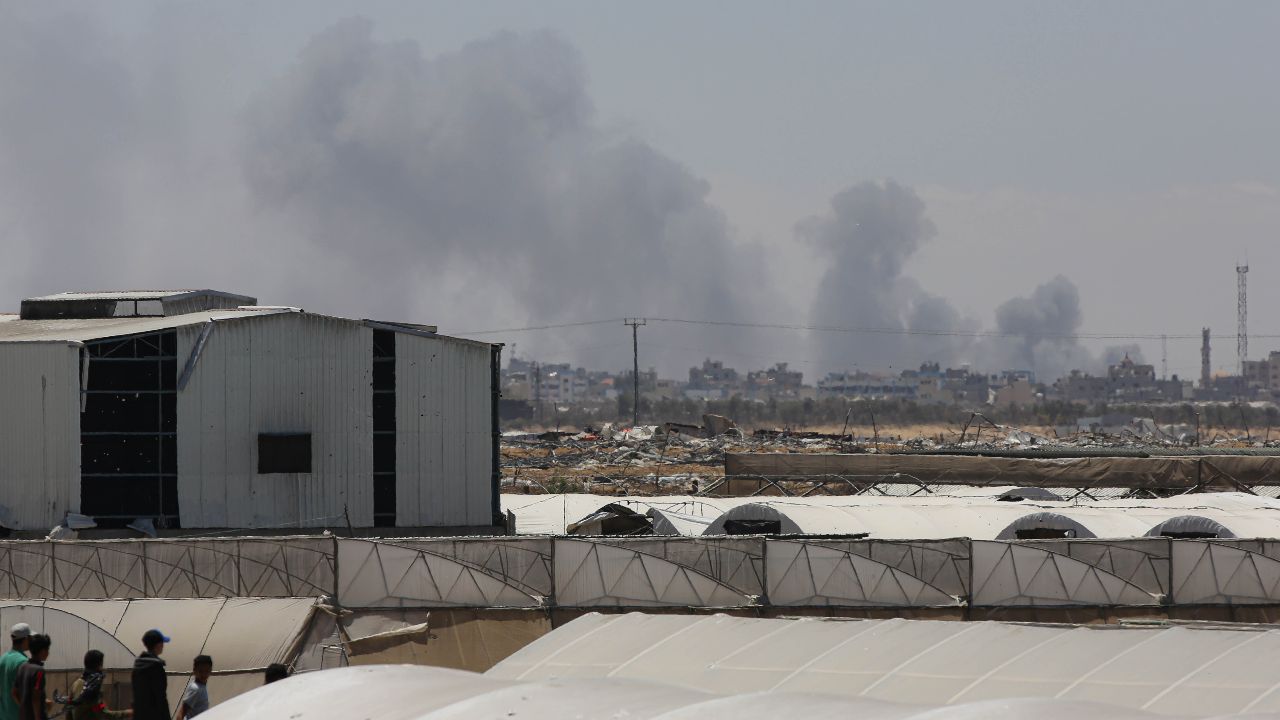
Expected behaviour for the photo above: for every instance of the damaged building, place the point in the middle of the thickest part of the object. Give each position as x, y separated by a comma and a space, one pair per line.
202, 409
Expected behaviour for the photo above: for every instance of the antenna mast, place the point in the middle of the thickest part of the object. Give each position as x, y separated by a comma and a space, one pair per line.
1242, 315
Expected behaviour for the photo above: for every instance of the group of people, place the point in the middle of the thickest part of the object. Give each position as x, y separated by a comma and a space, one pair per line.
22, 673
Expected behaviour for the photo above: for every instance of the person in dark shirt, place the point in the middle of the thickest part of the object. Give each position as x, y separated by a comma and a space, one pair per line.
86, 701
29, 686
150, 685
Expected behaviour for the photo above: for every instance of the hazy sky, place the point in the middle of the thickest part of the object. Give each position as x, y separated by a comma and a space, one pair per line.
1131, 147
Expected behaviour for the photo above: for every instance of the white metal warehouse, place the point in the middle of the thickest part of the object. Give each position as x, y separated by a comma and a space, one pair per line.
201, 409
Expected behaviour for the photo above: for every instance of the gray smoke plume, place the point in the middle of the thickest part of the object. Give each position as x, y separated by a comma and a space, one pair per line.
482, 162
1042, 327
474, 189
872, 230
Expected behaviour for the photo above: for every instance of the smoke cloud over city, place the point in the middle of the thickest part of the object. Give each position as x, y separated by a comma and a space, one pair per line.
870, 233
474, 188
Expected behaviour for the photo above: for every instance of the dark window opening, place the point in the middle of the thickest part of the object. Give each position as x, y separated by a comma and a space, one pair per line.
1044, 533
753, 527
128, 431
384, 411
626, 523
1190, 535
384, 428
284, 453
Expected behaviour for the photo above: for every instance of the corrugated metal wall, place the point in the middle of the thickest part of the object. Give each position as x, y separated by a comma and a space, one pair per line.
443, 432
40, 432
290, 372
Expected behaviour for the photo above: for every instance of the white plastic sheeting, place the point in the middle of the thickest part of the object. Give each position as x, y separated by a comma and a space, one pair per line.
1013, 575
73, 635
402, 692
1245, 572
389, 574
241, 633
867, 574
673, 515
879, 517
659, 572
252, 567
959, 512
1167, 670
983, 518
650, 571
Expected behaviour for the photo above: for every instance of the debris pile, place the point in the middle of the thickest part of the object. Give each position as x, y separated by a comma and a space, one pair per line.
680, 458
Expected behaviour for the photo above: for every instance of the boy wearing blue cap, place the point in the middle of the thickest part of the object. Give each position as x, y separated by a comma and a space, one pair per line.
150, 696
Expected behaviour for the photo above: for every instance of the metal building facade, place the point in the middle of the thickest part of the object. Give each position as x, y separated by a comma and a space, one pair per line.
242, 376
39, 433
279, 373
444, 431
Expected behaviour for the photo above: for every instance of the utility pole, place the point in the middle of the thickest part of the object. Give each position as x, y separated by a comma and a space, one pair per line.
537, 389
635, 324
1205, 366
1164, 357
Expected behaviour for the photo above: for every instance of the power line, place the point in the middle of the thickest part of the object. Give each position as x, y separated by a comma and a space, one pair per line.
540, 327
865, 330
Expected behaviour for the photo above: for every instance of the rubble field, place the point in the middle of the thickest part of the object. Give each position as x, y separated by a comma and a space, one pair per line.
682, 459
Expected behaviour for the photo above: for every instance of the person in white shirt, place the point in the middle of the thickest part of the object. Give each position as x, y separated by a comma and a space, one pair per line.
195, 699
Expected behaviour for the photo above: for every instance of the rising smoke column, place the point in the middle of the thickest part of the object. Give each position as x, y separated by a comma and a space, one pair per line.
865, 241
873, 229
1041, 327
473, 188
484, 163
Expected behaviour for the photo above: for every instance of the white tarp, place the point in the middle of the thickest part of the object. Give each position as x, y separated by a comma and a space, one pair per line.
983, 518
592, 573
866, 574
402, 692
1168, 670
554, 514
387, 574
241, 633
173, 568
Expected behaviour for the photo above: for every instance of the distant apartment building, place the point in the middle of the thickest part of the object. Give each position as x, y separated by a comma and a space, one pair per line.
1125, 382
1017, 393
775, 382
861, 385
713, 376
1257, 373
